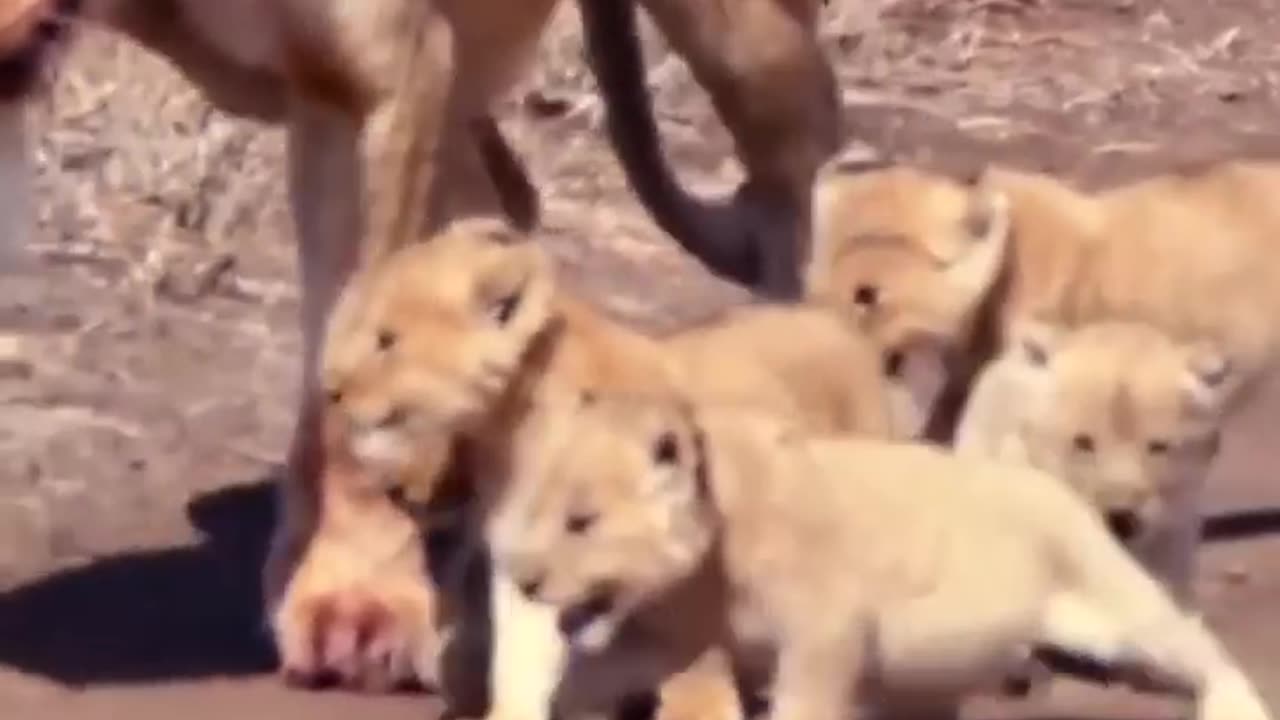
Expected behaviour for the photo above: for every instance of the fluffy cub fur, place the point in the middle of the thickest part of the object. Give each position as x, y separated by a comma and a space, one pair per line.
466, 333
464, 340
1126, 416
656, 531
918, 258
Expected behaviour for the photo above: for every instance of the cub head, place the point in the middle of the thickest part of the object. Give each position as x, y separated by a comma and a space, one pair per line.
1123, 413
423, 345
610, 510
906, 255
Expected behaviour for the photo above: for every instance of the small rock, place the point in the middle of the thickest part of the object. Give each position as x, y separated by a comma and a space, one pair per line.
1236, 575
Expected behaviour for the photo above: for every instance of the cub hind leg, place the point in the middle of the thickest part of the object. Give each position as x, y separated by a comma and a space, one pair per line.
1118, 615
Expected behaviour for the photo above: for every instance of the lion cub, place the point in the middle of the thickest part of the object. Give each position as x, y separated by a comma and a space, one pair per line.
657, 528
1126, 416
915, 258
465, 339
468, 333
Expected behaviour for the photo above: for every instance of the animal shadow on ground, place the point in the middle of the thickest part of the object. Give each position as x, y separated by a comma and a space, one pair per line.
182, 612
194, 611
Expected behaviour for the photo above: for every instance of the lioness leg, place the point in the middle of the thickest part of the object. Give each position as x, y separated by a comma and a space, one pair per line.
515, 192
346, 591
359, 606
363, 573
775, 92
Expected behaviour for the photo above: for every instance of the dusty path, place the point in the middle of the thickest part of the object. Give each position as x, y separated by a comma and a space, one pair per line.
146, 370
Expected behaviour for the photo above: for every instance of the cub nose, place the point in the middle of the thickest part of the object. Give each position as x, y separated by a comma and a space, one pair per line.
394, 417
397, 495
1123, 524
530, 586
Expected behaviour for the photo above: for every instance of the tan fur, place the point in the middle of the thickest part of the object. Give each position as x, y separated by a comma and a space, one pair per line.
656, 531
420, 347
1126, 416
387, 103
466, 335
1193, 255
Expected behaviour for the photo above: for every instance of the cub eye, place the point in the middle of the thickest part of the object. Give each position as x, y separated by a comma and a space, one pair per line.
335, 397
666, 449
1083, 443
866, 296
386, 339
579, 523
893, 363
504, 307
1158, 447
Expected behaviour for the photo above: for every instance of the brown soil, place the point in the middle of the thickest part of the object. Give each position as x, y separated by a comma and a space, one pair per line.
146, 369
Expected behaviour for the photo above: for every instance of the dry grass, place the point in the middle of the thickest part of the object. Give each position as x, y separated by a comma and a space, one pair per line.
136, 167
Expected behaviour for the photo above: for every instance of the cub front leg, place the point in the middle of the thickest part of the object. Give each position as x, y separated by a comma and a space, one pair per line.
529, 654
818, 673
1172, 557
704, 691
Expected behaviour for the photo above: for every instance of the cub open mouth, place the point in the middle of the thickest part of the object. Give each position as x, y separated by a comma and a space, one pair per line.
575, 618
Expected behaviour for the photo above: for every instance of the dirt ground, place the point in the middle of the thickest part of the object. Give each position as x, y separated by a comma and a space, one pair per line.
147, 364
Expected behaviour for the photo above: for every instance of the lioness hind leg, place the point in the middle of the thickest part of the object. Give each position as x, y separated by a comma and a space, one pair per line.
776, 93
515, 192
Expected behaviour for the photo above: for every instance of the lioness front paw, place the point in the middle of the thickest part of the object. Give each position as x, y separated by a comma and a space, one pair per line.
359, 612
356, 639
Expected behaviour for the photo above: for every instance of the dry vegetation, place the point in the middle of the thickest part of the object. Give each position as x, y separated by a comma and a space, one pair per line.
152, 356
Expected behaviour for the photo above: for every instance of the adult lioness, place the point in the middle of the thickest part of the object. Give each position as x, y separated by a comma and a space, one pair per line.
917, 257
655, 530
467, 337
372, 92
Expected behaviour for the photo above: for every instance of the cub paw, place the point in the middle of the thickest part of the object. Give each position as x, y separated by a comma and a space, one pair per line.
1231, 697
1028, 683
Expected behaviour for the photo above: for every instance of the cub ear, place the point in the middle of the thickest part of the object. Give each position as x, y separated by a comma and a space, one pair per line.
1033, 342
1211, 378
986, 227
676, 455
833, 187
515, 286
